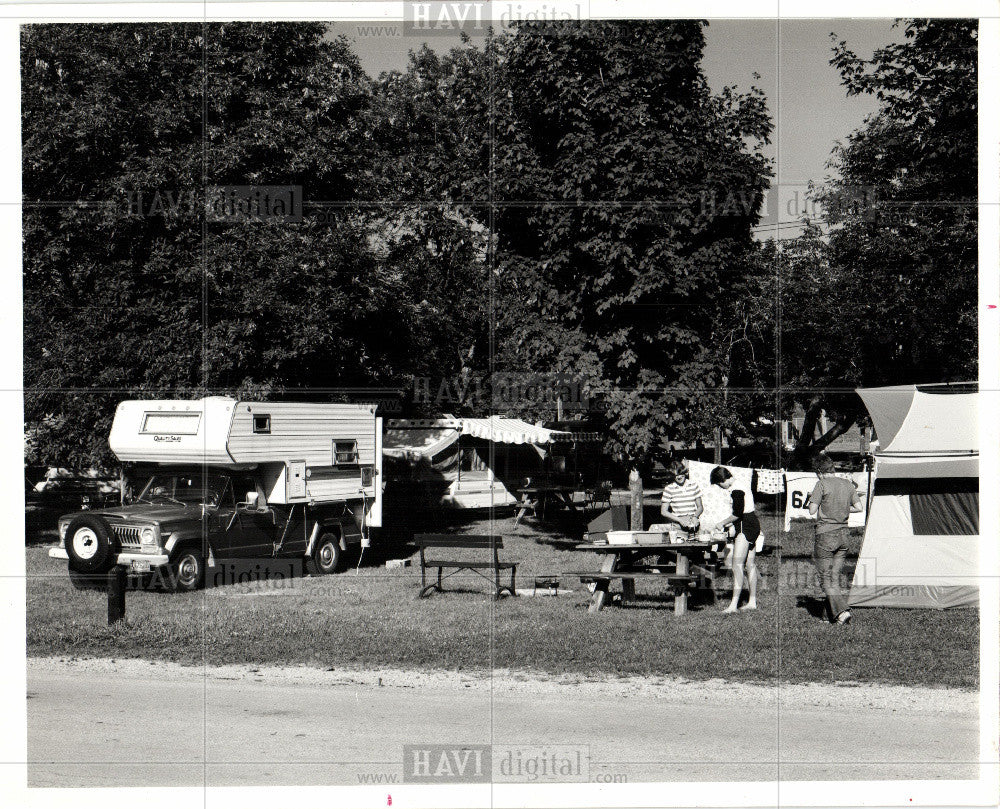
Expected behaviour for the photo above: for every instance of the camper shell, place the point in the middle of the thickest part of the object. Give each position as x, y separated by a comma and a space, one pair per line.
222, 478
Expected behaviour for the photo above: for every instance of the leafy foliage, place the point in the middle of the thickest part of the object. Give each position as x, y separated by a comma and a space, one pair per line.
905, 207
131, 291
602, 160
888, 296
568, 200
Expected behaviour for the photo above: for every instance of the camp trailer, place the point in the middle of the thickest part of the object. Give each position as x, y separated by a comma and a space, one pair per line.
219, 478
475, 463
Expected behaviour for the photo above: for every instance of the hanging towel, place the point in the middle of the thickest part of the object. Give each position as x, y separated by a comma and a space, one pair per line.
770, 481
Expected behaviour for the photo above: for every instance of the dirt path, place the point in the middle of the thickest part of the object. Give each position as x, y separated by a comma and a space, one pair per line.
135, 722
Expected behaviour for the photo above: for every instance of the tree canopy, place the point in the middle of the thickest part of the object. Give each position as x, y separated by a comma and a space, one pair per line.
132, 290
619, 195
568, 201
886, 292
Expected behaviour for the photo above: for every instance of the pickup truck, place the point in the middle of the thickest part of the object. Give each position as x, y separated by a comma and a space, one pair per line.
184, 520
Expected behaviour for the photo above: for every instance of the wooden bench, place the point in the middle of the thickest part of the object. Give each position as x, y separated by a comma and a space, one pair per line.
673, 580
485, 542
678, 583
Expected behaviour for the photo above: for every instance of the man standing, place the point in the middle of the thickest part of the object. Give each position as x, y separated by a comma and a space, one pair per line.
831, 501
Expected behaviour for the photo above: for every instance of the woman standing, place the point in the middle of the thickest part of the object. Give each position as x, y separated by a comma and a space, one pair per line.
747, 526
680, 502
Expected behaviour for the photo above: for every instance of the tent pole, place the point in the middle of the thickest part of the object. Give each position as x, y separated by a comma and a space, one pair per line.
869, 463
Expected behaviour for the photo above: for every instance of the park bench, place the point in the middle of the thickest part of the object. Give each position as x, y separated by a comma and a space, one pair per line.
440, 543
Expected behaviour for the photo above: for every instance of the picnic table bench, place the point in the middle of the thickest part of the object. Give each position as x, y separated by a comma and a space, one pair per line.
684, 569
538, 498
487, 542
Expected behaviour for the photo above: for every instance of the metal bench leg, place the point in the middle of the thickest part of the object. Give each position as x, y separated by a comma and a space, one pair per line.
425, 589
510, 588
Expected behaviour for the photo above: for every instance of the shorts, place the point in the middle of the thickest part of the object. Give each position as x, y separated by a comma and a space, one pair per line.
749, 526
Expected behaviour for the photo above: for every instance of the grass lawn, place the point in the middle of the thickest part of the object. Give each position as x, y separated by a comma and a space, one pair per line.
371, 617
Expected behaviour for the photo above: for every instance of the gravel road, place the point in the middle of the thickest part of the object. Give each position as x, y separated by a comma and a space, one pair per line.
140, 723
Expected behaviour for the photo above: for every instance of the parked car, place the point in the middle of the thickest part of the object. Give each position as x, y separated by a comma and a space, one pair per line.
45, 501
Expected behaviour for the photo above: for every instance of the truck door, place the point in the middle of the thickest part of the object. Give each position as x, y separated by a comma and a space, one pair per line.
226, 538
255, 527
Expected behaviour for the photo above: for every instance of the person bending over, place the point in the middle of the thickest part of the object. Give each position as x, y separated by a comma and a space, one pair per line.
744, 521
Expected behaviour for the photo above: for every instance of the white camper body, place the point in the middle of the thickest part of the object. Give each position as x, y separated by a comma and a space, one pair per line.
303, 452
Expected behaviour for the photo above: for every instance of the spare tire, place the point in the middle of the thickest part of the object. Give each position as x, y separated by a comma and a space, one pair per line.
91, 545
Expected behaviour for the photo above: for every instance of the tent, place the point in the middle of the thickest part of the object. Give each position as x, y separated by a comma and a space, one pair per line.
427, 464
921, 542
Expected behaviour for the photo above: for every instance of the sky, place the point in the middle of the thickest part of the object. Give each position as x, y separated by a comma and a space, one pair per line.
809, 105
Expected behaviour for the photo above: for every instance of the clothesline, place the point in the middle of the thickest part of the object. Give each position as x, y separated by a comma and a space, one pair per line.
796, 486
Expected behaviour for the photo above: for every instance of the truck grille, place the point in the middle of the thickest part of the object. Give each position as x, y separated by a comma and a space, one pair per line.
128, 535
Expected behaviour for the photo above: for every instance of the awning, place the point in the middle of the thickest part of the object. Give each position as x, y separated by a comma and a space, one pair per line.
499, 429
502, 430
407, 444
578, 438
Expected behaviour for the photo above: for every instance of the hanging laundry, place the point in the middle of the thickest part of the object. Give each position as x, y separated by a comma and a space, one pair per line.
800, 486
716, 501
770, 481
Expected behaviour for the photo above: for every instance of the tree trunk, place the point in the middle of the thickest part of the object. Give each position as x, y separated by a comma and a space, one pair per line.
635, 490
831, 435
803, 446
807, 445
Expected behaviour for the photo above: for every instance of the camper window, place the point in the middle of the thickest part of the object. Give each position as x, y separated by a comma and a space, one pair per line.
158, 423
262, 424
345, 452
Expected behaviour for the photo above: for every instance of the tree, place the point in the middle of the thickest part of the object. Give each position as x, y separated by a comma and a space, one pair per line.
904, 206
612, 186
429, 121
888, 294
130, 290
626, 195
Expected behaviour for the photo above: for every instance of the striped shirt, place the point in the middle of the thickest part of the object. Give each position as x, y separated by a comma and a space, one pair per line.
680, 499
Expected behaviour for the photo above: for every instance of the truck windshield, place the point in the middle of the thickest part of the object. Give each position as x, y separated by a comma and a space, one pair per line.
194, 489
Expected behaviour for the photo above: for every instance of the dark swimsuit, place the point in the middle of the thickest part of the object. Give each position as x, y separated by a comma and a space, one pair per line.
746, 524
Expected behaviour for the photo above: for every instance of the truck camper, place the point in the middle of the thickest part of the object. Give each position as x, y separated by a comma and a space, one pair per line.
218, 478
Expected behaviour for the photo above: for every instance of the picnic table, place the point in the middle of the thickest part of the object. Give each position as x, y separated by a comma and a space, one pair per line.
537, 498
682, 566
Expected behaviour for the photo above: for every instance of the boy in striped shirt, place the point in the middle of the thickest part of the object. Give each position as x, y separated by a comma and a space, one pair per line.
681, 499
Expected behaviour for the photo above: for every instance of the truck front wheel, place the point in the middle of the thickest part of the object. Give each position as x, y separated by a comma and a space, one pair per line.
187, 570
327, 555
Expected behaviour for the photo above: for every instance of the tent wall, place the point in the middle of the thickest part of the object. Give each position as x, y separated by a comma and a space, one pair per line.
898, 567
921, 545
